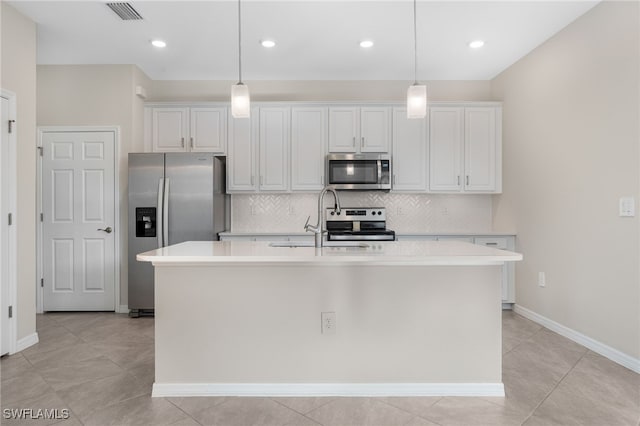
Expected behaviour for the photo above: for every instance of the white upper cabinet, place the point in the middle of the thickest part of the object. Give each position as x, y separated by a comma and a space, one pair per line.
189, 129
343, 129
274, 148
409, 160
480, 149
356, 130
465, 149
169, 129
241, 161
208, 130
445, 148
308, 148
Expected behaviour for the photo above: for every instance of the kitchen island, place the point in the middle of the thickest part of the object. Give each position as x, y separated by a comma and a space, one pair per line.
387, 319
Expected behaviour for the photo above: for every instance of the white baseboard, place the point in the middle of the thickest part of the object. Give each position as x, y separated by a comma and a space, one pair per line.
326, 389
122, 309
26, 342
598, 347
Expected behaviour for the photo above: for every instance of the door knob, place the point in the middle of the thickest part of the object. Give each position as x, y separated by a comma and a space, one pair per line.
108, 229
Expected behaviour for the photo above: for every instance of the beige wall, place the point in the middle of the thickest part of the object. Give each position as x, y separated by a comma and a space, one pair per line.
163, 90
18, 75
571, 149
97, 95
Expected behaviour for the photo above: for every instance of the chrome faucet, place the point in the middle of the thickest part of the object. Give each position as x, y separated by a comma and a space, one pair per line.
317, 229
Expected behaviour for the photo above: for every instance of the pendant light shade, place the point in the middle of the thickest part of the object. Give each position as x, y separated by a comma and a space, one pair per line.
240, 100
417, 93
417, 101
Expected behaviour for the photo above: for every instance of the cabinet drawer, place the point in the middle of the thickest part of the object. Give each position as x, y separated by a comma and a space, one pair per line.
495, 242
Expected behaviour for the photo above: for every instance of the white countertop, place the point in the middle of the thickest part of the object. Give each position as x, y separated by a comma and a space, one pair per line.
375, 253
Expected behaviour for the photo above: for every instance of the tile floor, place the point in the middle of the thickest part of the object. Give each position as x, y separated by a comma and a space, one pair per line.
100, 367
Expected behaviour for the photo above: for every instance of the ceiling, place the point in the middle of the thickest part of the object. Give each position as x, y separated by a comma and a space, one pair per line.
316, 40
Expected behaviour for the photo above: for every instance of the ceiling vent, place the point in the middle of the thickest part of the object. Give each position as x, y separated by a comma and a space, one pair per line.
125, 11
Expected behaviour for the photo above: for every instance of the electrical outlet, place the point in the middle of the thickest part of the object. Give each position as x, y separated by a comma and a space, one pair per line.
328, 320
542, 281
399, 211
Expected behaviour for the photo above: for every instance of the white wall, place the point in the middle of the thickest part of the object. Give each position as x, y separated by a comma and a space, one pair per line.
165, 90
18, 75
571, 149
97, 95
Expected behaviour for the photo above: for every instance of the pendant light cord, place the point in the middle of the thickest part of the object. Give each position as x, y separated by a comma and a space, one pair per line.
239, 46
415, 47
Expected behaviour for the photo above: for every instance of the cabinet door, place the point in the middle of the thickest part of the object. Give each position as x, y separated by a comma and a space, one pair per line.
445, 148
507, 269
169, 131
308, 147
409, 152
343, 129
208, 130
480, 149
241, 164
274, 149
375, 129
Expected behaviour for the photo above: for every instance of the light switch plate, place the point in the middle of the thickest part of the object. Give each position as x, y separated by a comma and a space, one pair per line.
627, 207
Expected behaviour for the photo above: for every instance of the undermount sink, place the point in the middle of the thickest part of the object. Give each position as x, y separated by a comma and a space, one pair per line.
325, 244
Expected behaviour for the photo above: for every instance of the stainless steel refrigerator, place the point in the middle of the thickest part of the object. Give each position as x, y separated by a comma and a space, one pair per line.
173, 197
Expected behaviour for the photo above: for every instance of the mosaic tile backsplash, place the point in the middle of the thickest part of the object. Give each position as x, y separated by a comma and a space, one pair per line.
406, 213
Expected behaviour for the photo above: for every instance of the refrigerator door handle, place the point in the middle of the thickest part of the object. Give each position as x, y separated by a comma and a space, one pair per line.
165, 213
159, 224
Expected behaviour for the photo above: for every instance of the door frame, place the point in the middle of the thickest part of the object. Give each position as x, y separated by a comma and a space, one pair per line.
12, 230
118, 235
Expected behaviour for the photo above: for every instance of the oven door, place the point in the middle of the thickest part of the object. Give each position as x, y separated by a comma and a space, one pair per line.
359, 172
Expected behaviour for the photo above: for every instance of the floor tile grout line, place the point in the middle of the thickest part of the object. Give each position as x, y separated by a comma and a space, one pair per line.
303, 414
416, 415
555, 387
188, 415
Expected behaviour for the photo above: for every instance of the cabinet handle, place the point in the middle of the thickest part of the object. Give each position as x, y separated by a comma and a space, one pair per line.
182, 142
458, 179
261, 180
251, 180
394, 179
467, 180
491, 244
354, 141
321, 179
362, 142
192, 142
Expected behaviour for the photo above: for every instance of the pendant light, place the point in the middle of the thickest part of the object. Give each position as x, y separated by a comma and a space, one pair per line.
240, 100
417, 93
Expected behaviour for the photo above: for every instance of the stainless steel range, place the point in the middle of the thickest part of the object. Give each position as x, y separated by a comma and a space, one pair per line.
358, 224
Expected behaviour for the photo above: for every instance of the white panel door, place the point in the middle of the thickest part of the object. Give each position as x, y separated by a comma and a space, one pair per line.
274, 149
480, 149
375, 129
241, 167
343, 129
308, 148
445, 148
208, 130
170, 129
78, 227
409, 152
5, 253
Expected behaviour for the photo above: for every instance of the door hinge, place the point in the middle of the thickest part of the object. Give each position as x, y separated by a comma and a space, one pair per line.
41, 282
10, 219
11, 122
10, 311
41, 149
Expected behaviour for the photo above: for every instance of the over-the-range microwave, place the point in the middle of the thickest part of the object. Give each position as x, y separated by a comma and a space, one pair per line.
359, 171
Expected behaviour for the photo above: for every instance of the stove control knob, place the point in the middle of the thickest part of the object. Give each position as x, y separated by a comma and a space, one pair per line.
338, 213
379, 213
332, 213
373, 213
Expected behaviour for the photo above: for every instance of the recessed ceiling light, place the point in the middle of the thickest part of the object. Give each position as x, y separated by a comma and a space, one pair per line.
476, 44
159, 43
366, 44
268, 43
